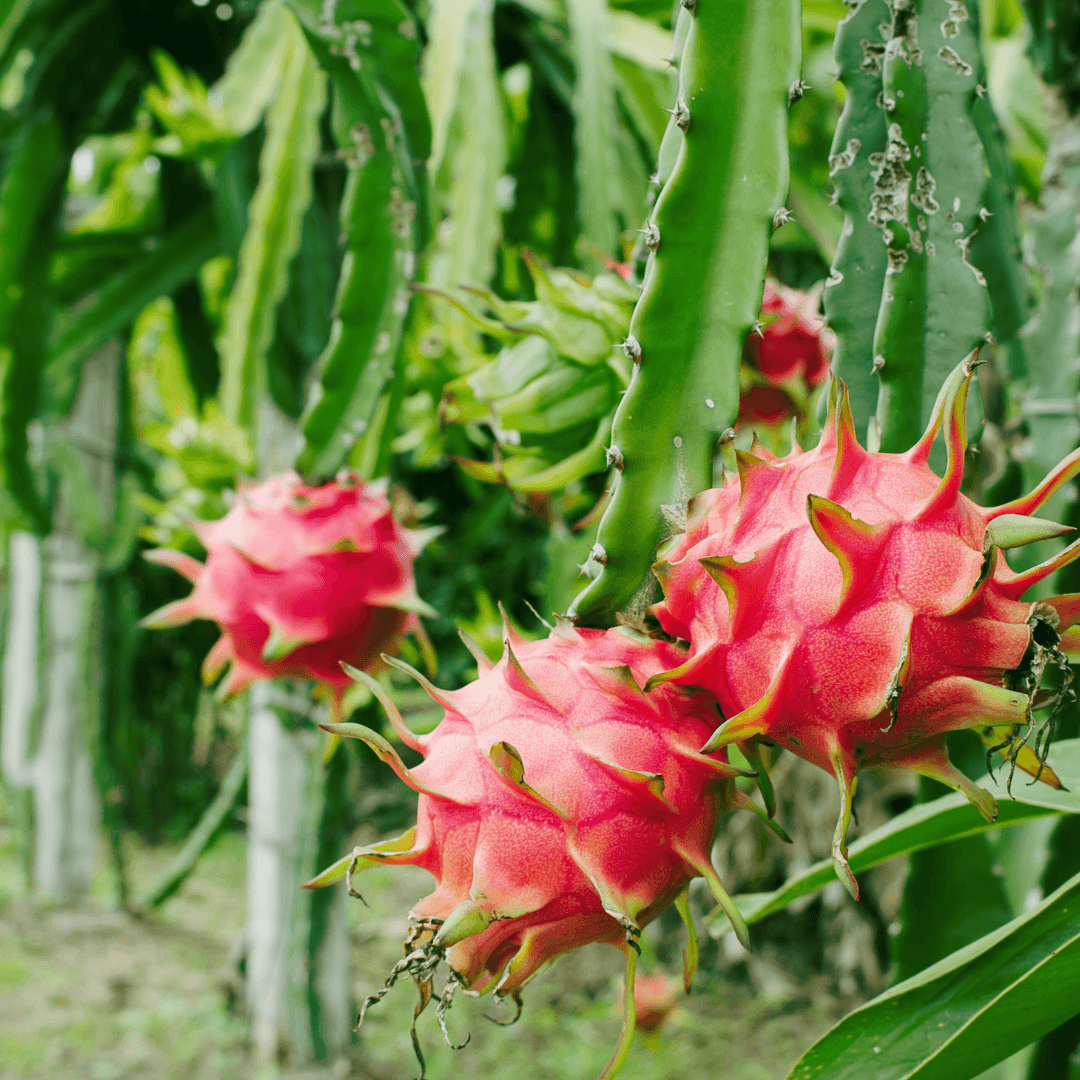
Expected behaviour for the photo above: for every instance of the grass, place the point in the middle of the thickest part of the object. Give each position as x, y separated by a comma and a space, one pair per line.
93, 994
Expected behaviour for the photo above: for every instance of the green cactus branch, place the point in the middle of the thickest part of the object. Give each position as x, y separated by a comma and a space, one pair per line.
929, 201
853, 289
917, 159
708, 236
378, 216
275, 216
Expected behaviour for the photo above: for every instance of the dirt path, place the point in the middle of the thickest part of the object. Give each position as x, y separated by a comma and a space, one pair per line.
93, 994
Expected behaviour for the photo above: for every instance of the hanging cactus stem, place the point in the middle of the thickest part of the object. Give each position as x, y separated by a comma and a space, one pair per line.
723, 164
853, 289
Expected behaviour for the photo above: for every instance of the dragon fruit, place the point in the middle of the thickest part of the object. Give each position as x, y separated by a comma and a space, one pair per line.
785, 359
854, 607
559, 805
300, 578
655, 997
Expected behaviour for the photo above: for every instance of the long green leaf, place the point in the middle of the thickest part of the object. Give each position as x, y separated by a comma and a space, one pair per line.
926, 825
968, 1012
158, 273
275, 219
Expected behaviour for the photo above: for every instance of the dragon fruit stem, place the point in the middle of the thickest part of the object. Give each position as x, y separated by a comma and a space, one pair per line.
618, 1058
703, 282
853, 289
846, 784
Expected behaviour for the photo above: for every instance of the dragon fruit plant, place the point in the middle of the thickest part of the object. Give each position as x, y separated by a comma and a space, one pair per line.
559, 805
784, 359
299, 579
549, 394
854, 607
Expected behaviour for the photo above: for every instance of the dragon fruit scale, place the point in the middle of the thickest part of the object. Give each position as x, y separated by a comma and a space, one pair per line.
559, 805
299, 579
854, 607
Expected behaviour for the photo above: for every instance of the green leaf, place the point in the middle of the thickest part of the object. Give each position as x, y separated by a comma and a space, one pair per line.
640, 40
275, 218
926, 825
951, 897
158, 273
12, 13
968, 1012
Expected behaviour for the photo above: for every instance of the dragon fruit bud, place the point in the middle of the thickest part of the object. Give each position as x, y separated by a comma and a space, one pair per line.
785, 359
299, 579
559, 805
854, 607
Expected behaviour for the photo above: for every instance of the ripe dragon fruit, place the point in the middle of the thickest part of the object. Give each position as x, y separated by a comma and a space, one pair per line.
785, 359
854, 607
559, 805
299, 578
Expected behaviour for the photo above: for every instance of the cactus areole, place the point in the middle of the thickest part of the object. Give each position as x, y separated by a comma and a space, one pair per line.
559, 805
299, 578
854, 607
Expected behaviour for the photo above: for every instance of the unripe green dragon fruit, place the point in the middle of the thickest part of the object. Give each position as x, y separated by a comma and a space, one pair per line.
549, 395
299, 579
559, 805
854, 607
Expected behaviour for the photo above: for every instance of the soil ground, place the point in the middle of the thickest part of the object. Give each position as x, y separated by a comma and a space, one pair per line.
94, 994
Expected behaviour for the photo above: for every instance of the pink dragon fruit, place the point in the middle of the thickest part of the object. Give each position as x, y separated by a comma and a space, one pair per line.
785, 359
300, 578
854, 607
655, 997
559, 805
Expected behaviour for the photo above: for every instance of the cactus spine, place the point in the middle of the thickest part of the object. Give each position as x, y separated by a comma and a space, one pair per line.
708, 239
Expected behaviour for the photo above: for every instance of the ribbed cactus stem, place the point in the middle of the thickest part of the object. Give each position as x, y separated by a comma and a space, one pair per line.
929, 200
853, 288
708, 239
